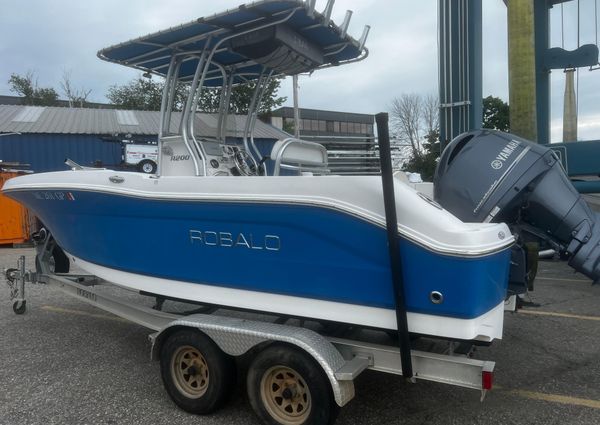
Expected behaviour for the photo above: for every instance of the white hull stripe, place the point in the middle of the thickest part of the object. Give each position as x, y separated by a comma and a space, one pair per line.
485, 327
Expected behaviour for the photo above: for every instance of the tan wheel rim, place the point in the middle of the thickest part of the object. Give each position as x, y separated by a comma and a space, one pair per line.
189, 371
285, 395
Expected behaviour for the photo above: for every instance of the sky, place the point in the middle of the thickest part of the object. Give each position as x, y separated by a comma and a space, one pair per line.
51, 37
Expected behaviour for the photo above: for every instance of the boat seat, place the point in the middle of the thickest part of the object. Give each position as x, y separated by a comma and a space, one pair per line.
299, 155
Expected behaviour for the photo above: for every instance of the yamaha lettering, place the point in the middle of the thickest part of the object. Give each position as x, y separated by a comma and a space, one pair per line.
504, 154
235, 240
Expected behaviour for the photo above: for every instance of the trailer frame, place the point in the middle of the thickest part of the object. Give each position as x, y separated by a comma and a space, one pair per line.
341, 359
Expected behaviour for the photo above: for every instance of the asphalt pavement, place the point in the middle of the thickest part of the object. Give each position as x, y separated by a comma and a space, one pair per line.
65, 362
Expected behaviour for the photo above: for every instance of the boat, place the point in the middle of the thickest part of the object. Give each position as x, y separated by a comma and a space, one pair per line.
223, 223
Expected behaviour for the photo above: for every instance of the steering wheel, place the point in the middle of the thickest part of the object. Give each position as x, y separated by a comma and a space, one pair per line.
245, 163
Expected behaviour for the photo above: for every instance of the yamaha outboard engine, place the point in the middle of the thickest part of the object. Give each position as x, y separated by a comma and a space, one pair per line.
490, 176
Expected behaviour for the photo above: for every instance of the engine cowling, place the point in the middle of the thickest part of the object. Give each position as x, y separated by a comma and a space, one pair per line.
491, 176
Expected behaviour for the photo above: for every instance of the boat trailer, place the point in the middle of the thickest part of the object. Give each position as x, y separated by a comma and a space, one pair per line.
196, 340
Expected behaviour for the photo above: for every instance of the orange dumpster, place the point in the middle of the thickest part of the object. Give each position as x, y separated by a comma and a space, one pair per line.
14, 218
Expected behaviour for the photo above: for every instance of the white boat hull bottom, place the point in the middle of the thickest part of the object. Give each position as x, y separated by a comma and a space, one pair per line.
486, 327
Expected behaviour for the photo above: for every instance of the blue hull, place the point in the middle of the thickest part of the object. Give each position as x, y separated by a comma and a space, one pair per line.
302, 251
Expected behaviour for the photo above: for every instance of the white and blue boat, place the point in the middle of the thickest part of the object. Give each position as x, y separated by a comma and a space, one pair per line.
220, 224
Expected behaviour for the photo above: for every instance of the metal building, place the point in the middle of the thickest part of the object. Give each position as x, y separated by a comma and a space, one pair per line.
348, 137
45, 136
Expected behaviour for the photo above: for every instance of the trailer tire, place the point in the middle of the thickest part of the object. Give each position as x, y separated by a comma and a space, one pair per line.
287, 386
197, 375
147, 166
19, 307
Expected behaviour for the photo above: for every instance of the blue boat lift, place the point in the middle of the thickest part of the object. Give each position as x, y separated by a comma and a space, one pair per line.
460, 83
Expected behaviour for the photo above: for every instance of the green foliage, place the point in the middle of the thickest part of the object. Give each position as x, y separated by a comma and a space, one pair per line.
241, 96
289, 127
495, 114
425, 163
424, 160
140, 93
145, 94
414, 122
26, 86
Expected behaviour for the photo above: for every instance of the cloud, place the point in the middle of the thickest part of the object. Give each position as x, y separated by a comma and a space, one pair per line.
51, 36
48, 37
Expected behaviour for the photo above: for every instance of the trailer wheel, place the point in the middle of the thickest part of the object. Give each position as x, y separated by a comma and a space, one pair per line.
287, 387
197, 375
19, 307
147, 166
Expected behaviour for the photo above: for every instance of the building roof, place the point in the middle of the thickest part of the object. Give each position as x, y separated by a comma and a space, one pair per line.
19, 100
319, 114
59, 120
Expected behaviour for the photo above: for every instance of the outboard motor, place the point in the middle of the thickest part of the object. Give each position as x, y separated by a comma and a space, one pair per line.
490, 176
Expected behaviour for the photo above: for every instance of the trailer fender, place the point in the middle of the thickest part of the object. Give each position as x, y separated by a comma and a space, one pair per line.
236, 336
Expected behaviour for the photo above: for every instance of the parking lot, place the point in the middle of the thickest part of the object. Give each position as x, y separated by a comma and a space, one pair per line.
66, 362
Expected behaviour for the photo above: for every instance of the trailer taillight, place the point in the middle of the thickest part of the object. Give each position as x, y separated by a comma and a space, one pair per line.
487, 378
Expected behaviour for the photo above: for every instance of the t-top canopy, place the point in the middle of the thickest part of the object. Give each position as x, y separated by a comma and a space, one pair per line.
283, 36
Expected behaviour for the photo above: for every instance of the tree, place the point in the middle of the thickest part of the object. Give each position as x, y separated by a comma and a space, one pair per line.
495, 114
240, 99
414, 120
414, 123
289, 127
75, 97
242, 96
27, 87
426, 163
140, 93
145, 94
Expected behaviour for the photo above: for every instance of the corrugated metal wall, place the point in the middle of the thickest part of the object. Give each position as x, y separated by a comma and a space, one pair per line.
47, 152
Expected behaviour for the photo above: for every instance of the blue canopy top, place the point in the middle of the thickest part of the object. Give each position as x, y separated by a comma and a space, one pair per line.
316, 42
